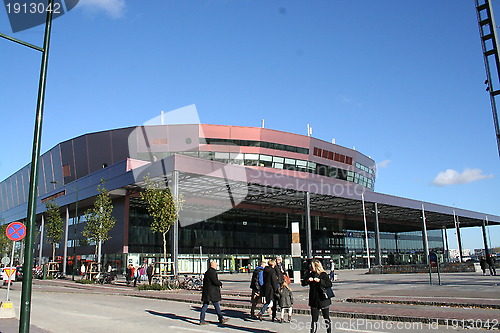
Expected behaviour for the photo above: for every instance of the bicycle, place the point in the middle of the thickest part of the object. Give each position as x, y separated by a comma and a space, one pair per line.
191, 283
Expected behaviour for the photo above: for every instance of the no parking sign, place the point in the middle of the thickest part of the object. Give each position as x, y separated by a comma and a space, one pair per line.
15, 231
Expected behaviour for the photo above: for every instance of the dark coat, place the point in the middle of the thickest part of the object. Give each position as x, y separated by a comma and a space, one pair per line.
149, 271
484, 264
316, 289
491, 261
280, 272
286, 298
270, 286
211, 286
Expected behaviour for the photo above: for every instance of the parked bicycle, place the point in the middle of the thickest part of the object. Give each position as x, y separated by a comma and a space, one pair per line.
190, 283
105, 278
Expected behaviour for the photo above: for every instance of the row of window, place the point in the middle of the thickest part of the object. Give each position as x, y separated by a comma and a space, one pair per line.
252, 143
275, 162
330, 155
364, 168
362, 180
278, 162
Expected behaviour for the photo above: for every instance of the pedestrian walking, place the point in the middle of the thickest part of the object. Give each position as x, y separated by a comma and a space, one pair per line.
137, 275
281, 271
318, 280
129, 273
491, 263
270, 290
256, 284
285, 301
332, 271
484, 264
211, 293
149, 272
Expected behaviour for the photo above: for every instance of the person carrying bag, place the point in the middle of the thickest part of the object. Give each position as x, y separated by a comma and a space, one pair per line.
319, 299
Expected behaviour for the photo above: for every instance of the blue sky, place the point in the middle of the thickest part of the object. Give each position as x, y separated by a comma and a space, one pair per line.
402, 81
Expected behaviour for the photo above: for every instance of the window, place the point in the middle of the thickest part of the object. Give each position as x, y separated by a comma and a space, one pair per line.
278, 159
252, 143
221, 156
66, 170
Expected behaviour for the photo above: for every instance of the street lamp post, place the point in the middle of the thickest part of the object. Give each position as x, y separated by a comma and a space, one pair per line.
24, 320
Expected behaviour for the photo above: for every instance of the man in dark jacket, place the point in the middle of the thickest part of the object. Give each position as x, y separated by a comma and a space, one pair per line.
211, 293
270, 289
491, 263
256, 286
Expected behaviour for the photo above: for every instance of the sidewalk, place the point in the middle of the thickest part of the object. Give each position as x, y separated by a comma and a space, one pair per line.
462, 297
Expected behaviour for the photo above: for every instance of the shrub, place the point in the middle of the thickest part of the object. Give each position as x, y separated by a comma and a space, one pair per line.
154, 286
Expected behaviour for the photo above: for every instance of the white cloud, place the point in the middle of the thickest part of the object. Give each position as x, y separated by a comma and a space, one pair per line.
383, 164
114, 8
452, 177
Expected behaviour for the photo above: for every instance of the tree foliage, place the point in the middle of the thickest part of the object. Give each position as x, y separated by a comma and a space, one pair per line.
54, 225
162, 207
100, 218
5, 242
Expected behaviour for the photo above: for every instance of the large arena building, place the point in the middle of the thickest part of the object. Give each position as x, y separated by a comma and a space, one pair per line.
242, 187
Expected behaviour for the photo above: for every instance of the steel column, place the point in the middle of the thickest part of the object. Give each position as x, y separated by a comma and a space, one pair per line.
366, 231
378, 250
485, 240
459, 237
175, 227
65, 256
40, 249
425, 240
446, 248
307, 204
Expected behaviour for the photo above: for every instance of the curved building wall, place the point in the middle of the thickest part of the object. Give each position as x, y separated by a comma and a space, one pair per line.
254, 147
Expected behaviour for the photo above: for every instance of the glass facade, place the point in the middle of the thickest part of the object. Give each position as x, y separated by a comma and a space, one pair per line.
275, 162
244, 232
253, 143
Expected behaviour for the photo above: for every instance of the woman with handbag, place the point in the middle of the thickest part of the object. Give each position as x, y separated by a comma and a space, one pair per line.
319, 299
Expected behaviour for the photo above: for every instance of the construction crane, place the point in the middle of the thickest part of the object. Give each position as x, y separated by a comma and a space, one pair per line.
489, 42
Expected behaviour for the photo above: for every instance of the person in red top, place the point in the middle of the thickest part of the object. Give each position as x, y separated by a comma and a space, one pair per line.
129, 273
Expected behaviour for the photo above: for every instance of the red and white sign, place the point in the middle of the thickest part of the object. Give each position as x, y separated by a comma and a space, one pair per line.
15, 231
8, 273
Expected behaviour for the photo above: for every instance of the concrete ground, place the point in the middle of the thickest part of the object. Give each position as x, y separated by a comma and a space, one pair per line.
463, 300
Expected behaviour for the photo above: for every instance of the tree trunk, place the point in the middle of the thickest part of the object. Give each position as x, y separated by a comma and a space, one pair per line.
99, 255
95, 251
164, 247
53, 252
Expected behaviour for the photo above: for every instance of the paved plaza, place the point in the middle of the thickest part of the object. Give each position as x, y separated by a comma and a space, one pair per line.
364, 303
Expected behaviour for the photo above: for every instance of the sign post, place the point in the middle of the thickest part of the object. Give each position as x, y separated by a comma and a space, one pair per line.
434, 262
15, 232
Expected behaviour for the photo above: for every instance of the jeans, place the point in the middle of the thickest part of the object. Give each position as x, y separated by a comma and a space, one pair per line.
273, 304
204, 311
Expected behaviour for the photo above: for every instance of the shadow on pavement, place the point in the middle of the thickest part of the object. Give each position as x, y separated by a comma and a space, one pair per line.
228, 313
174, 317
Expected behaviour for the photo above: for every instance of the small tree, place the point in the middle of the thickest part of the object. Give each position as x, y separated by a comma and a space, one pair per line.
54, 225
5, 242
100, 221
162, 207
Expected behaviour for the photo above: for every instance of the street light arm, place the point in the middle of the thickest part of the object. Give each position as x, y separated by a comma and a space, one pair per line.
15, 40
